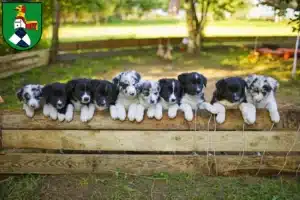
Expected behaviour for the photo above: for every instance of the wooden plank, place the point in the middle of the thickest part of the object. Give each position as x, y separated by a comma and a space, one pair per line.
20, 163
290, 120
152, 141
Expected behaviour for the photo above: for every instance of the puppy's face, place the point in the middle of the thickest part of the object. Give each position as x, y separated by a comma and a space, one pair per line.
231, 89
170, 90
259, 86
192, 83
80, 90
56, 95
128, 83
150, 92
31, 95
104, 93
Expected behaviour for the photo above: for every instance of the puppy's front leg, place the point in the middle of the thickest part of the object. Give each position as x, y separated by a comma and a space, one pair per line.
151, 111
140, 110
29, 111
69, 113
53, 112
207, 106
132, 111
221, 112
91, 111
84, 113
273, 111
46, 110
172, 111
61, 116
188, 111
121, 112
113, 112
248, 112
158, 111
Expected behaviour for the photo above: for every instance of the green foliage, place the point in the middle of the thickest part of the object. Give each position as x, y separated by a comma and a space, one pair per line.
281, 7
220, 7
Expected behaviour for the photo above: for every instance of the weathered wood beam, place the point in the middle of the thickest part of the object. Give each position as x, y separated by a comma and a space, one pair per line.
290, 120
152, 141
19, 163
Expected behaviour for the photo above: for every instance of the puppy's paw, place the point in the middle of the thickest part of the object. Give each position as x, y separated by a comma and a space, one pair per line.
29, 113
61, 117
131, 116
150, 112
53, 114
210, 108
172, 112
275, 117
69, 113
220, 118
46, 110
113, 112
248, 112
188, 115
140, 111
121, 113
132, 112
158, 114
84, 114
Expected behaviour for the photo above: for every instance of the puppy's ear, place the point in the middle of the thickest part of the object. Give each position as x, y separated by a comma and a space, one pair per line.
249, 79
220, 86
19, 94
204, 79
243, 83
273, 83
182, 78
94, 84
138, 76
46, 92
162, 81
70, 86
116, 79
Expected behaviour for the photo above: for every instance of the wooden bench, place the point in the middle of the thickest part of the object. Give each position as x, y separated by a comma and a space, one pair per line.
43, 146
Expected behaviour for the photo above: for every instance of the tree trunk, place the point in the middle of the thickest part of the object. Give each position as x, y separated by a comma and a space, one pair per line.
55, 29
192, 26
295, 57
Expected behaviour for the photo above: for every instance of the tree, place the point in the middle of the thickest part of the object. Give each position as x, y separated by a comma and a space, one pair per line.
281, 6
55, 29
196, 24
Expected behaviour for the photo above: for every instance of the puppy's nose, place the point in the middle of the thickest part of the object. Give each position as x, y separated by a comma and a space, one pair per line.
59, 103
86, 99
173, 100
236, 98
32, 106
132, 93
151, 101
198, 90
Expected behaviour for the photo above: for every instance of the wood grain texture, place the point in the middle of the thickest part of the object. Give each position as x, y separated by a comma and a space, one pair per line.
290, 120
152, 141
19, 163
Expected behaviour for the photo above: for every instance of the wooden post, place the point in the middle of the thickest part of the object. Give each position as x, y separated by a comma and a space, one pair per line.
295, 57
55, 31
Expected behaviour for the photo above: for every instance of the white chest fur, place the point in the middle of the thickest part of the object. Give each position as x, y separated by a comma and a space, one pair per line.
144, 103
192, 100
77, 105
263, 103
126, 102
165, 104
228, 104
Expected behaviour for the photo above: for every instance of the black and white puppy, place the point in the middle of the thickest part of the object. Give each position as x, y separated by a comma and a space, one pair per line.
148, 99
80, 94
170, 96
128, 83
230, 93
261, 91
31, 96
105, 95
57, 103
193, 85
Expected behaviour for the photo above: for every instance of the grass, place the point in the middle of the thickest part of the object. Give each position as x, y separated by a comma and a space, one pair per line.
161, 186
214, 62
170, 28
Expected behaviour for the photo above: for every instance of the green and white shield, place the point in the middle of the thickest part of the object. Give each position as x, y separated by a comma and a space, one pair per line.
22, 24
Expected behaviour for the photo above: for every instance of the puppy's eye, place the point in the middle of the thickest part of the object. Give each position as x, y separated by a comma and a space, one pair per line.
156, 93
256, 90
27, 96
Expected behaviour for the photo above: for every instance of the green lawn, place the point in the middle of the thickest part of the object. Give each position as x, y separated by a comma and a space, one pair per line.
170, 28
215, 63
156, 187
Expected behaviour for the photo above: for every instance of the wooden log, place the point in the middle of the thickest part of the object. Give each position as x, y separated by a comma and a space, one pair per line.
20, 163
290, 120
152, 141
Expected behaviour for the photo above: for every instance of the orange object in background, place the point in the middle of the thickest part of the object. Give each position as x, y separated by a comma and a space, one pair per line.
286, 55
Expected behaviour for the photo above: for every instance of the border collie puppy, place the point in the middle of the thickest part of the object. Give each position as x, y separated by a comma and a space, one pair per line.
230, 93
105, 95
57, 102
193, 85
261, 92
148, 99
80, 93
31, 96
170, 93
128, 85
